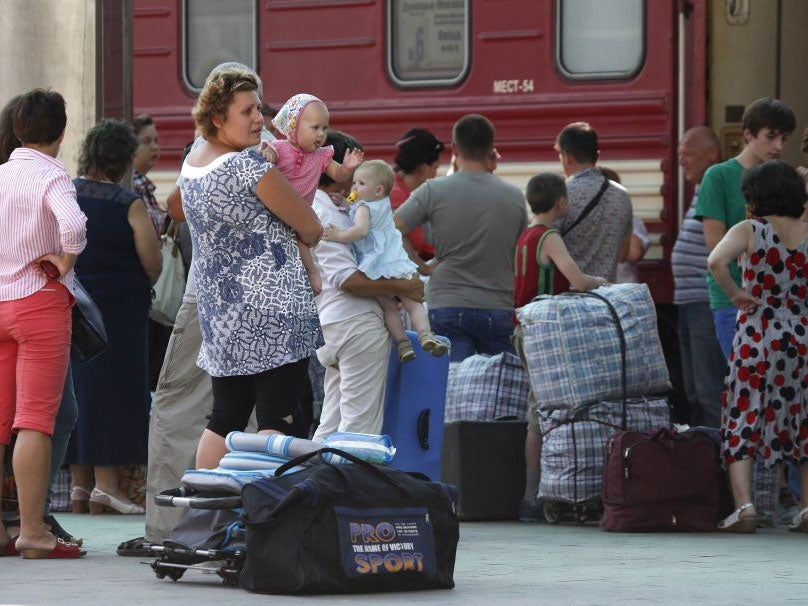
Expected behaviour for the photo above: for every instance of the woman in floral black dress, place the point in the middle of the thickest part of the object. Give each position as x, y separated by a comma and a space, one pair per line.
765, 402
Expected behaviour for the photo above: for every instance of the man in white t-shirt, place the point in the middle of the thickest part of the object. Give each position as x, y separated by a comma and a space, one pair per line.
357, 344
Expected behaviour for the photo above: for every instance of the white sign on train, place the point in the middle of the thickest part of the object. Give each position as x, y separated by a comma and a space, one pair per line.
513, 86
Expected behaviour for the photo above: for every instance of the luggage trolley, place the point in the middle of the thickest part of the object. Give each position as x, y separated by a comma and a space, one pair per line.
222, 552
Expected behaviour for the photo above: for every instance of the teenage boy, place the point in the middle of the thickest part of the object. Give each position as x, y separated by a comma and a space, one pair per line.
476, 219
767, 123
540, 251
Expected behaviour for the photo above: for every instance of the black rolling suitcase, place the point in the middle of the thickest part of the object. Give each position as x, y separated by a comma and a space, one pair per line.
485, 460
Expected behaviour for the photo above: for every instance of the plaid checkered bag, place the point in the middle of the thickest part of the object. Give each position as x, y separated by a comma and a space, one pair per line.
60, 497
573, 348
765, 491
573, 453
485, 388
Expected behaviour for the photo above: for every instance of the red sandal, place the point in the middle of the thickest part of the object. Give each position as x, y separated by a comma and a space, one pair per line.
61, 550
8, 549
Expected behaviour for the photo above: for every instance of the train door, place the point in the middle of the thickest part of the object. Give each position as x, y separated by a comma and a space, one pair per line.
757, 49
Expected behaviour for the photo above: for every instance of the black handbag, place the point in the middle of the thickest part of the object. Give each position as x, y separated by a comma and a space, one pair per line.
89, 334
348, 528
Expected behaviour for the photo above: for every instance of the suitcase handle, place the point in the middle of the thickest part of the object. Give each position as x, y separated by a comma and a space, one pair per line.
423, 428
664, 433
182, 497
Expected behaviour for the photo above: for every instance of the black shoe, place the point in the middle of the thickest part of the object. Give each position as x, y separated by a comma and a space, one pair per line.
136, 548
531, 511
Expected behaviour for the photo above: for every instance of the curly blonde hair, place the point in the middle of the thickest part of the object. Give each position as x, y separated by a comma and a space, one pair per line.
221, 85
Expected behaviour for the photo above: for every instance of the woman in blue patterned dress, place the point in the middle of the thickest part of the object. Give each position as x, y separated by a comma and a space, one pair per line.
256, 308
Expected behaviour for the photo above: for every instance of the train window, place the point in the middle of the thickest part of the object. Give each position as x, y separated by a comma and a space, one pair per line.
598, 39
427, 42
215, 32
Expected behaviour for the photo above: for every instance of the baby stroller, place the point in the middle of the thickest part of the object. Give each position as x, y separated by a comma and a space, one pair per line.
210, 538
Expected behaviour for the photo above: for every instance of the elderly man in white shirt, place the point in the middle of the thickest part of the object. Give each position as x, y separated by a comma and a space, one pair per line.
357, 344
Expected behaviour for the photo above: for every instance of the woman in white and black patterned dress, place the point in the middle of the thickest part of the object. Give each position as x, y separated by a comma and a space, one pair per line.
257, 315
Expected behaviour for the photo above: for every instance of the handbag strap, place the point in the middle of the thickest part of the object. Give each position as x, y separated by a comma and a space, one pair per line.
592, 204
171, 228
500, 374
172, 231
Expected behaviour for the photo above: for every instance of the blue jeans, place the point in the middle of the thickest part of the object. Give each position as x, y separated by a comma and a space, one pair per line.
703, 363
794, 480
472, 331
726, 320
63, 427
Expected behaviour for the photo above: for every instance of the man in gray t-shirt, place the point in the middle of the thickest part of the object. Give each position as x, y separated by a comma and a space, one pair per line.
600, 240
476, 219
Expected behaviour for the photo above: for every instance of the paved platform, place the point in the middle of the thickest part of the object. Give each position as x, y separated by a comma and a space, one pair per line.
497, 563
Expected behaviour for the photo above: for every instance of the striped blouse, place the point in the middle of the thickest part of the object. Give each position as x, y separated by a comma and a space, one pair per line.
38, 216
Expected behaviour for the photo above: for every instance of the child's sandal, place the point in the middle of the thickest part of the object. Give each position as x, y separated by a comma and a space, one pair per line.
430, 343
405, 351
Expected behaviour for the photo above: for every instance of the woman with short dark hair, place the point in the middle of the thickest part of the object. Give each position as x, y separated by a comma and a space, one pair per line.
417, 159
121, 262
43, 232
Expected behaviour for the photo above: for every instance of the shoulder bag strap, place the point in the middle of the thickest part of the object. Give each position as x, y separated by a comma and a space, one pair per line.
592, 204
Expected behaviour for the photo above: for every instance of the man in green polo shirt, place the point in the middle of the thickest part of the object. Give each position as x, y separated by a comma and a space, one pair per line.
767, 123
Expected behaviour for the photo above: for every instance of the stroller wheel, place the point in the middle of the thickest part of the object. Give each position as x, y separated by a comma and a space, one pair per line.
230, 578
175, 574
552, 512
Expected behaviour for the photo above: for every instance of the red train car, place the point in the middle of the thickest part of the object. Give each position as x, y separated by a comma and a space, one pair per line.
634, 69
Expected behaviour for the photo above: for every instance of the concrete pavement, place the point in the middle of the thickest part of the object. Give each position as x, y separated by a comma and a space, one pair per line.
497, 563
